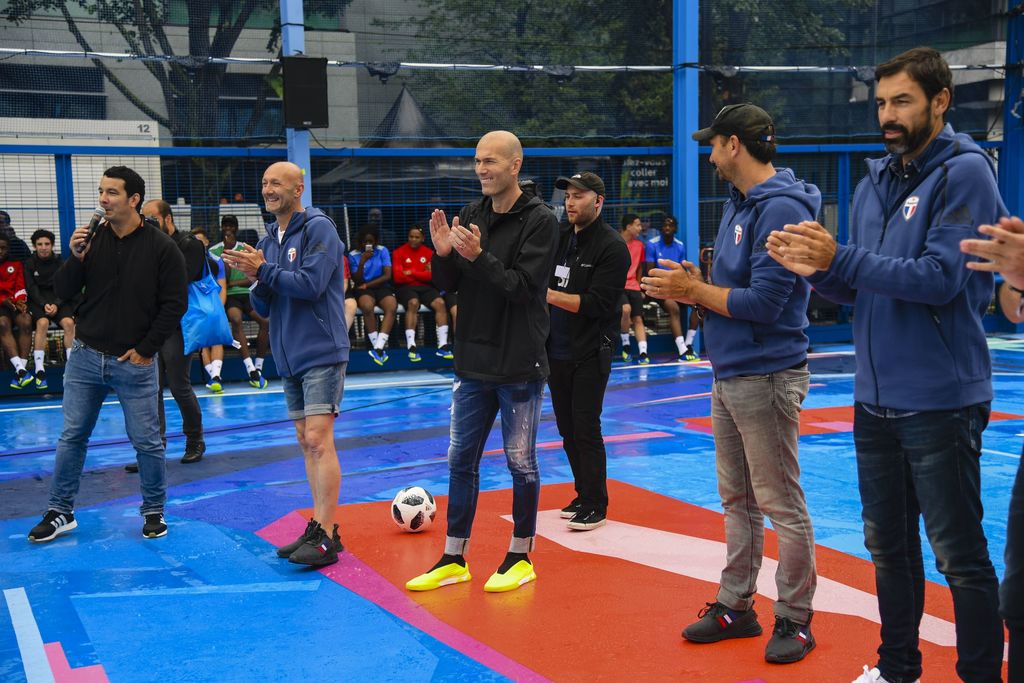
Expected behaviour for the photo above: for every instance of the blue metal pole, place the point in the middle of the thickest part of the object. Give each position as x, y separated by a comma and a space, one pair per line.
293, 42
65, 201
1011, 157
685, 120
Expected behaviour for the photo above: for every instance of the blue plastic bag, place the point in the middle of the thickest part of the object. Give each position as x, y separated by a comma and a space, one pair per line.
205, 323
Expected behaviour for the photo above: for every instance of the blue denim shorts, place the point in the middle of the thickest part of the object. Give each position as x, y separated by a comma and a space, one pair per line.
317, 391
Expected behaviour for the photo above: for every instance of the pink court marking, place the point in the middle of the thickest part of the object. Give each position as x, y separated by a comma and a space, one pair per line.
363, 580
63, 673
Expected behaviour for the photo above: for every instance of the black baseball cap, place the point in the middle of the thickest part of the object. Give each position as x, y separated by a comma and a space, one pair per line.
584, 180
746, 121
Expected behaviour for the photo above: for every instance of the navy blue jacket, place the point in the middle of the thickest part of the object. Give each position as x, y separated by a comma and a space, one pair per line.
917, 309
301, 288
768, 304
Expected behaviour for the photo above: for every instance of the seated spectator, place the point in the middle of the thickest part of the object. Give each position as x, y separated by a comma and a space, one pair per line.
371, 273
238, 306
412, 276
632, 299
668, 247
16, 247
43, 303
14, 314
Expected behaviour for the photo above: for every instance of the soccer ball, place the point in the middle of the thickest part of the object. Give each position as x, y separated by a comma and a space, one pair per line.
413, 509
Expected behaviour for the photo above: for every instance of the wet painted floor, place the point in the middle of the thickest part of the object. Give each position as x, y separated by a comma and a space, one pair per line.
212, 602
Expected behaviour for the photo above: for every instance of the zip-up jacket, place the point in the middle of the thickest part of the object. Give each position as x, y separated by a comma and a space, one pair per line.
39, 274
12, 282
415, 261
597, 273
135, 290
917, 310
768, 304
301, 288
503, 310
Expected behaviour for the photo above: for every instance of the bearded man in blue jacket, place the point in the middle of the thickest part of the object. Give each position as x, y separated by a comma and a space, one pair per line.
923, 386
300, 286
755, 316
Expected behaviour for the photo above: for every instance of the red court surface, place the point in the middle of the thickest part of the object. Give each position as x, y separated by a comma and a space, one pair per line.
609, 604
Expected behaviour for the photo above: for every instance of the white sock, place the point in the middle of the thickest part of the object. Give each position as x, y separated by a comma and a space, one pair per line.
39, 357
18, 363
209, 369
690, 334
382, 341
216, 365
442, 335
249, 365
410, 338
681, 345
642, 346
373, 339
625, 340
259, 364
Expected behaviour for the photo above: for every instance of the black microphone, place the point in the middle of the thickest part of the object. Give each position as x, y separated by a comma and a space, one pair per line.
94, 224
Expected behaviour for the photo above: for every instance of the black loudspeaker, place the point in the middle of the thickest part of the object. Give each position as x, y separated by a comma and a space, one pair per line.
305, 92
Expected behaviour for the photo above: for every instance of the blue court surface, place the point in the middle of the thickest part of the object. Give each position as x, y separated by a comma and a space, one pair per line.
212, 602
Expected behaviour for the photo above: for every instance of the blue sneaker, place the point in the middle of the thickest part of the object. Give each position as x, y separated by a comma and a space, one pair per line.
644, 359
215, 385
689, 356
414, 356
41, 380
379, 357
21, 380
257, 380
446, 352
625, 356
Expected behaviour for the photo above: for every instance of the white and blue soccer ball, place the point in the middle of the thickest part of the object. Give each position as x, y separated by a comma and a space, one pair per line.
413, 509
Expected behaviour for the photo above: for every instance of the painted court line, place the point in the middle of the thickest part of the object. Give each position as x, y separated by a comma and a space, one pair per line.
290, 587
30, 642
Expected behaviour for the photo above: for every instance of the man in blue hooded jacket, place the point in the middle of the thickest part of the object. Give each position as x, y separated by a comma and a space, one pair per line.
923, 386
755, 315
300, 286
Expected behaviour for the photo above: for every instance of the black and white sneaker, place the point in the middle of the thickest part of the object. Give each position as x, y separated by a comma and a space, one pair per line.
585, 520
155, 526
570, 510
53, 525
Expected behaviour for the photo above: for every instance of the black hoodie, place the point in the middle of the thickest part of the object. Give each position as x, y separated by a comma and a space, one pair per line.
503, 311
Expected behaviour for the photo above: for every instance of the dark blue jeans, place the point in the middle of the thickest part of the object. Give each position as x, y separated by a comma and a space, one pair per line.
475, 404
1011, 593
926, 465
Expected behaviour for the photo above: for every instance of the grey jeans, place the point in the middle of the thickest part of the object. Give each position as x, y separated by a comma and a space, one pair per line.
756, 422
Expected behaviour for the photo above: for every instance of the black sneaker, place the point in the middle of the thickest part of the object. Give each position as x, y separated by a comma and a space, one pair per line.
193, 452
53, 525
287, 550
316, 551
155, 526
132, 467
336, 539
585, 520
718, 622
570, 510
790, 641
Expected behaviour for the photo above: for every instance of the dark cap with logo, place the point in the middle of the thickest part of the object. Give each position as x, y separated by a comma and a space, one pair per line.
584, 180
746, 121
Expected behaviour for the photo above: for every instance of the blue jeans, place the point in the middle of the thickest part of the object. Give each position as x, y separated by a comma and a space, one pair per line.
88, 376
475, 404
927, 465
1011, 592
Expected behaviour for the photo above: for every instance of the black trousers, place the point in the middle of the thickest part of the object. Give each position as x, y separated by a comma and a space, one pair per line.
174, 374
577, 395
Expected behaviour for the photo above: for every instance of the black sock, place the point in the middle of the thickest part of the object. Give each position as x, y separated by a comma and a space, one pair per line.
448, 559
510, 559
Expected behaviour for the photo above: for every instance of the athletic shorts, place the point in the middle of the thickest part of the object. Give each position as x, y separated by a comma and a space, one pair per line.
64, 310
425, 293
451, 299
635, 299
378, 293
317, 391
239, 301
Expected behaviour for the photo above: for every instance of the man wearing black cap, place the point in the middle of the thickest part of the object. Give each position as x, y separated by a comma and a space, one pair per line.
589, 275
755, 315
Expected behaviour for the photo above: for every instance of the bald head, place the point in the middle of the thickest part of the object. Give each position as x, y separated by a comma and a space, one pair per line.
282, 190
504, 143
499, 158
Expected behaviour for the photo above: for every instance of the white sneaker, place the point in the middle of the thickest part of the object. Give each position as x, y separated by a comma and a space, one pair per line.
873, 676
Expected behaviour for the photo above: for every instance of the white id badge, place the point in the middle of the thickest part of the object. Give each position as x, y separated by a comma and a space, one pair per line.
562, 273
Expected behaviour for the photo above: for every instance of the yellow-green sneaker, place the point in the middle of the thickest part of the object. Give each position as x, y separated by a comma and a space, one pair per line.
518, 574
445, 575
